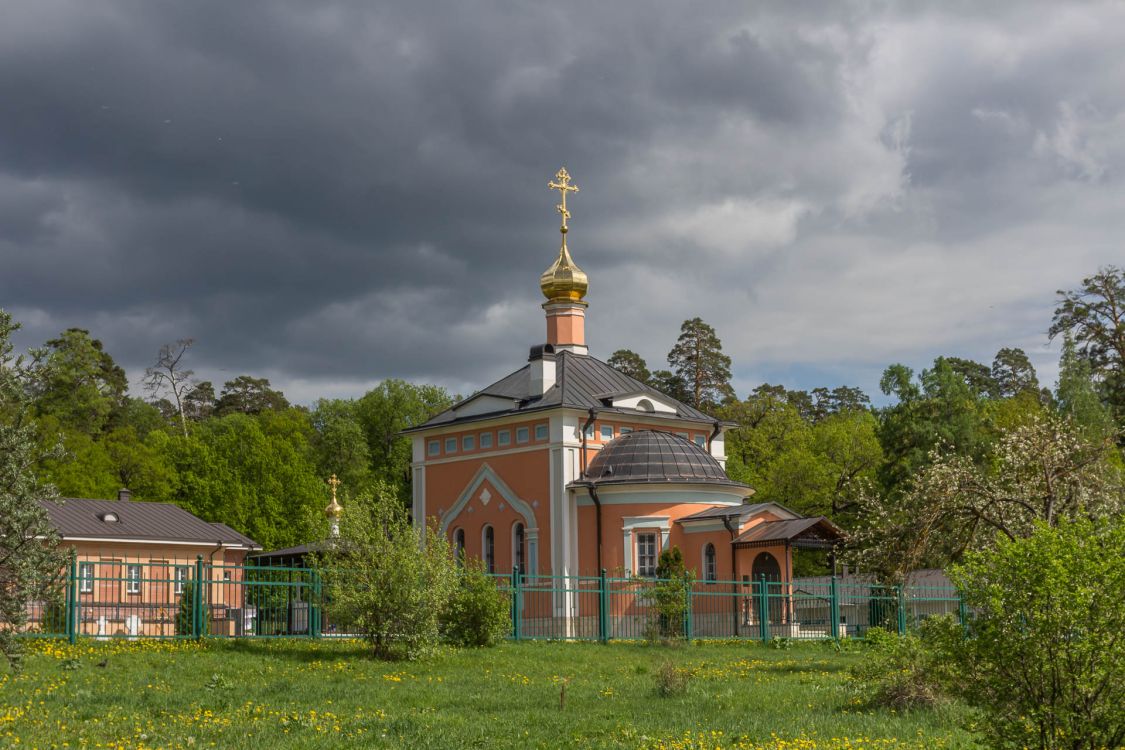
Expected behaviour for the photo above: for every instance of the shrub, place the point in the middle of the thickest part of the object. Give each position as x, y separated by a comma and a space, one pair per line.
1045, 656
669, 598
908, 671
185, 611
478, 613
671, 680
387, 580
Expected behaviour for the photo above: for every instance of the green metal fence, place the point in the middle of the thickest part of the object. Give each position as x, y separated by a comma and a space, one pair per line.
141, 600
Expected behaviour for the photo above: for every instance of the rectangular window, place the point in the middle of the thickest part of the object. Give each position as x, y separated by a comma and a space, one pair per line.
625, 430
503, 438
540, 432
132, 579
590, 432
451, 445
85, 578
486, 440
646, 554
181, 578
700, 440
607, 432
522, 434
434, 448
469, 442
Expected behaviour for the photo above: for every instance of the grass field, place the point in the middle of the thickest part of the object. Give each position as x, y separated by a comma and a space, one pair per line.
286, 694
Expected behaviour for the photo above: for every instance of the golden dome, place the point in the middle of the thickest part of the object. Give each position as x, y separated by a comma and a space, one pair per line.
564, 280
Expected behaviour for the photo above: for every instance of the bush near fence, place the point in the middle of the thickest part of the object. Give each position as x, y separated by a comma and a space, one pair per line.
264, 602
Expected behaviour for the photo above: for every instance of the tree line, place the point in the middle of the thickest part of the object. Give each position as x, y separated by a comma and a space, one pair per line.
243, 455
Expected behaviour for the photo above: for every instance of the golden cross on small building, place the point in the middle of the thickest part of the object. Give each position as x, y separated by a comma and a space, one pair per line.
563, 186
333, 482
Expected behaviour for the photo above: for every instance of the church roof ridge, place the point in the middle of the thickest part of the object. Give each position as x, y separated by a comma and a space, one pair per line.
583, 382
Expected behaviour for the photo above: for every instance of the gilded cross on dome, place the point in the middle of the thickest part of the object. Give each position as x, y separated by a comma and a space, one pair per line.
563, 186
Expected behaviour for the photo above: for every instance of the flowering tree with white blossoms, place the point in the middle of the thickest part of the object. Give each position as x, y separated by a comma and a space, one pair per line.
1044, 471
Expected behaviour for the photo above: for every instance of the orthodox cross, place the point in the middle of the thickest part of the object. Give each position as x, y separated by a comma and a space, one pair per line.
563, 186
333, 482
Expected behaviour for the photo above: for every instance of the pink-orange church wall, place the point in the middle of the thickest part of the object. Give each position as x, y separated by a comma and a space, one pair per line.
566, 329
526, 474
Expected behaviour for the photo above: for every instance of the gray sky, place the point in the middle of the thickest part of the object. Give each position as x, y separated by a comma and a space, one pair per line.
333, 193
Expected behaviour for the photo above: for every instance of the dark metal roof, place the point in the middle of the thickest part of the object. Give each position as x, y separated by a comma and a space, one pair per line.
581, 382
138, 521
654, 457
288, 553
811, 532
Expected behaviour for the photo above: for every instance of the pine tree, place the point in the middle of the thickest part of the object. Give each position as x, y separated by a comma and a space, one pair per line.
698, 361
630, 363
30, 560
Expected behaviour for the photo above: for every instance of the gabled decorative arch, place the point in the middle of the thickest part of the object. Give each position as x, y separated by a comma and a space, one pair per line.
531, 526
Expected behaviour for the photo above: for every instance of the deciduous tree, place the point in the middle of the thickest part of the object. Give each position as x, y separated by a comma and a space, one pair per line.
169, 376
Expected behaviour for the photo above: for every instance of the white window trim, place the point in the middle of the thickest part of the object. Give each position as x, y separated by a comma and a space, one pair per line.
604, 429
638, 535
629, 524
703, 567
433, 448
546, 432
481, 440
468, 443
133, 585
450, 441
503, 438
85, 578
178, 582
527, 435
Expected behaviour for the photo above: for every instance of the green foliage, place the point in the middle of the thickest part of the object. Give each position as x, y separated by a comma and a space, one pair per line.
256, 474
478, 613
1092, 316
185, 612
1013, 373
30, 559
698, 361
669, 597
909, 671
76, 381
1077, 394
248, 395
1043, 471
379, 580
341, 445
1045, 658
630, 363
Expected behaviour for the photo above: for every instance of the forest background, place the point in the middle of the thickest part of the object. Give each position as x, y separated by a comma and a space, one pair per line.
248, 458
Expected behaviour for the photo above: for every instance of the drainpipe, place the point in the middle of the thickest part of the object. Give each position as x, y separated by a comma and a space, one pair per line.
585, 428
598, 514
718, 427
734, 572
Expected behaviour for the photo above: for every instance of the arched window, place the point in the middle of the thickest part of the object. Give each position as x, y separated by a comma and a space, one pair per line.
519, 556
488, 548
645, 405
459, 545
710, 570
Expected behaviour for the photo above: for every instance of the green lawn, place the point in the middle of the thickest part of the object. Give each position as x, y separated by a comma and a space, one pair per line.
288, 694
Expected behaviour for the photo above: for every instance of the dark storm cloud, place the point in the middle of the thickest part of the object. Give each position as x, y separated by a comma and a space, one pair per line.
338, 192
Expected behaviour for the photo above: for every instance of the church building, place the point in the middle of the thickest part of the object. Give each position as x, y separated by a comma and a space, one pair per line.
567, 467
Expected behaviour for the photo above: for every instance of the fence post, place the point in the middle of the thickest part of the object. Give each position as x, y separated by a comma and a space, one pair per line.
689, 585
72, 598
603, 608
517, 595
962, 612
314, 605
901, 609
763, 609
834, 610
197, 600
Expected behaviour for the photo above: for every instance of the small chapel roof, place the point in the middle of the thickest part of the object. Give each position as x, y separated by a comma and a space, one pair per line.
654, 457
814, 533
582, 382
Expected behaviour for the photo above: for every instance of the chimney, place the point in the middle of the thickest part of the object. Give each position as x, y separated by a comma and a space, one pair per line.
542, 359
124, 495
